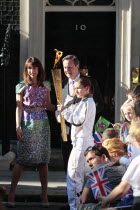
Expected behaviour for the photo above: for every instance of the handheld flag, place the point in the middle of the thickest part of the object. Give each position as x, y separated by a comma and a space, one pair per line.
127, 199
99, 183
98, 138
129, 151
102, 124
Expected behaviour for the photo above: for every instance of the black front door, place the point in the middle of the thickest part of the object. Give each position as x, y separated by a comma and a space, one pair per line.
91, 37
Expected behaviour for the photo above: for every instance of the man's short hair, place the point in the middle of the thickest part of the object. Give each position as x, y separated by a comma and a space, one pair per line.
72, 57
110, 133
135, 130
98, 150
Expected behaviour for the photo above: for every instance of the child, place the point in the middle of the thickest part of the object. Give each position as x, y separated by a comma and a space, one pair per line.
129, 100
110, 133
128, 114
115, 147
81, 116
132, 176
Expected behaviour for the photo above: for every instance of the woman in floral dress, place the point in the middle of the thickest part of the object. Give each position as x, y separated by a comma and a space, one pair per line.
32, 126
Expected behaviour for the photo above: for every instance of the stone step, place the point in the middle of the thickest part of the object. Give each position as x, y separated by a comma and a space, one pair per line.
29, 187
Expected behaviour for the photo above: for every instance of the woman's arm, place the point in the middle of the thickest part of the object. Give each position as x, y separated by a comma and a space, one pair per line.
18, 116
118, 191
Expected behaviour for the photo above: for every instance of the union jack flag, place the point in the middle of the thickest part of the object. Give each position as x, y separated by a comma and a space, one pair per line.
99, 183
129, 151
98, 138
127, 199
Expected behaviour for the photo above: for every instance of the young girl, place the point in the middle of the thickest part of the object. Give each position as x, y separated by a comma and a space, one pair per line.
128, 114
81, 116
32, 126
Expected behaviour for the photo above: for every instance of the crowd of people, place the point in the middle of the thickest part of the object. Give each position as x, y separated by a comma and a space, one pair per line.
97, 176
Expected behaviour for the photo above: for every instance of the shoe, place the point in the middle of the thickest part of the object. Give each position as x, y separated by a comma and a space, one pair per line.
11, 205
45, 205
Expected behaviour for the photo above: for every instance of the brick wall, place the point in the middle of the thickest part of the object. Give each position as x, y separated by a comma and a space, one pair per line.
9, 13
9, 73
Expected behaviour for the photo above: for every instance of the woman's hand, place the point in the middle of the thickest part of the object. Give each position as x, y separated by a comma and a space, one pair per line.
19, 134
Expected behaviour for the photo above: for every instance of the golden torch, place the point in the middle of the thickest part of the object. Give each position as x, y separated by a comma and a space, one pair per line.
57, 80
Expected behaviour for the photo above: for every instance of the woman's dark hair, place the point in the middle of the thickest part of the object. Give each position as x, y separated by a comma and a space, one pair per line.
137, 108
41, 73
136, 92
86, 82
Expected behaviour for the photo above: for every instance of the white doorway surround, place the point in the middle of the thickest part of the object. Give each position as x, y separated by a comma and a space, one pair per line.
35, 37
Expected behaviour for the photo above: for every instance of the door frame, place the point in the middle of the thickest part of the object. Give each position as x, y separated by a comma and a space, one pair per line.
123, 9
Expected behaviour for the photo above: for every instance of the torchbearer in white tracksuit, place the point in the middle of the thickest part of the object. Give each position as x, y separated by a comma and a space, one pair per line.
81, 115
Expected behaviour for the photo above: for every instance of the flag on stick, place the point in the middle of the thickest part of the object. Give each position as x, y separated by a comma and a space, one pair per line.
102, 124
98, 138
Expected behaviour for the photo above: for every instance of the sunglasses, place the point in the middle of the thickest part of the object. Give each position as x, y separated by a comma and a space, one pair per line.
92, 148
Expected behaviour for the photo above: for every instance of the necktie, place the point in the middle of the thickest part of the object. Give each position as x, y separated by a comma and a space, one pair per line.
72, 92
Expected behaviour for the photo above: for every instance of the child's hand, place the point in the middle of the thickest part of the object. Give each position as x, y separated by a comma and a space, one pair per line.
117, 125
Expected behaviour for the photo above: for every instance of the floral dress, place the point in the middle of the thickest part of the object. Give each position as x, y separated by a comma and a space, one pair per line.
35, 147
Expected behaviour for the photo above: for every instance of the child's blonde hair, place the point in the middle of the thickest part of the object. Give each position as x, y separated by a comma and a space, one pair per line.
135, 130
126, 105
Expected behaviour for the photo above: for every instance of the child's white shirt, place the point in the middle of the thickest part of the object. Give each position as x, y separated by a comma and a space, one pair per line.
132, 176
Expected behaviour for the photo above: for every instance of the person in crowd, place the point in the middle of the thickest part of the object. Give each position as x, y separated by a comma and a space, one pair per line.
134, 150
32, 126
129, 100
115, 147
136, 93
128, 114
98, 157
129, 94
132, 176
81, 116
118, 151
110, 133
71, 66
137, 109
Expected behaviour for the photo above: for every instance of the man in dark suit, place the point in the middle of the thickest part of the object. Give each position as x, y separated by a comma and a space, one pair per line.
71, 70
